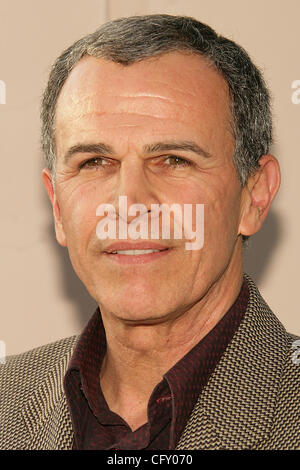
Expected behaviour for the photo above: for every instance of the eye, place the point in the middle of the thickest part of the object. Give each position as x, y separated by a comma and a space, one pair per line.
178, 161
94, 163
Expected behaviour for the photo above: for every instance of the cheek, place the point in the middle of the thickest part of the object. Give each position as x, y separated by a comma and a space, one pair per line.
221, 199
222, 216
78, 211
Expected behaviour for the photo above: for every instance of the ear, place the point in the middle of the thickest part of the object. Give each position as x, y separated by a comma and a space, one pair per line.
258, 194
59, 230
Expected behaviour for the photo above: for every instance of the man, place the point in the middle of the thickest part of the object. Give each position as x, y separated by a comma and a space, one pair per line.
183, 353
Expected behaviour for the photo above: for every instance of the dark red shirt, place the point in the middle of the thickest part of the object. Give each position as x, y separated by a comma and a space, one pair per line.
171, 402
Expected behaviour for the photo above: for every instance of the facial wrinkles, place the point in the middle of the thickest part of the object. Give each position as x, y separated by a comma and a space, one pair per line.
138, 89
146, 82
98, 113
73, 97
140, 114
142, 105
151, 117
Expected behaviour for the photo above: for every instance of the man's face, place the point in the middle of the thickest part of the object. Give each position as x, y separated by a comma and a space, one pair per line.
170, 100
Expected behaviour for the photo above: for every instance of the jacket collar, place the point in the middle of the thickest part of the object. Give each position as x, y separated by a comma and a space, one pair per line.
235, 409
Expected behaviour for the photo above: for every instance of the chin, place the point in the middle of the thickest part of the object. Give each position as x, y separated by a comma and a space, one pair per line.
134, 310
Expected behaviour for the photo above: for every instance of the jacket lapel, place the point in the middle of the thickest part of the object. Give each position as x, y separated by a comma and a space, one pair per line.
235, 409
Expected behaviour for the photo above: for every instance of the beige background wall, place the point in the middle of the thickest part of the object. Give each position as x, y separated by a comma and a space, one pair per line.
42, 300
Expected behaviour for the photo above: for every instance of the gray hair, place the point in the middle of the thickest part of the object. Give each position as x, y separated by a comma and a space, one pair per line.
132, 39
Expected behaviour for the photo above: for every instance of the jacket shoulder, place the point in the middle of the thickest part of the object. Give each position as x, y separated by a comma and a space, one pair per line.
285, 431
30, 392
22, 373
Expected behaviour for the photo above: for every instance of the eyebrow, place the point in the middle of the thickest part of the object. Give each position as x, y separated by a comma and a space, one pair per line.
177, 145
104, 149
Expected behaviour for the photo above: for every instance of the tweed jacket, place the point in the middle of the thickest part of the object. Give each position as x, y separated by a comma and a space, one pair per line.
251, 400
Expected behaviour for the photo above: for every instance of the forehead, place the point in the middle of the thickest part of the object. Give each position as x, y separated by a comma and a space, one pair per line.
175, 88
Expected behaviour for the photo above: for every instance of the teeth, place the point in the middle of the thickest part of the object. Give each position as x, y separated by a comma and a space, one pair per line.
134, 252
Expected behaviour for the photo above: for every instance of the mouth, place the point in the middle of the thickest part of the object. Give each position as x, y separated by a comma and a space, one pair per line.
136, 256
135, 252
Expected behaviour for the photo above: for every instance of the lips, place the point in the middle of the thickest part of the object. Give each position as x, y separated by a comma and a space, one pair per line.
129, 246
128, 254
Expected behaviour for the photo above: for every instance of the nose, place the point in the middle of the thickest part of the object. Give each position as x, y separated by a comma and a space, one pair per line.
133, 182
